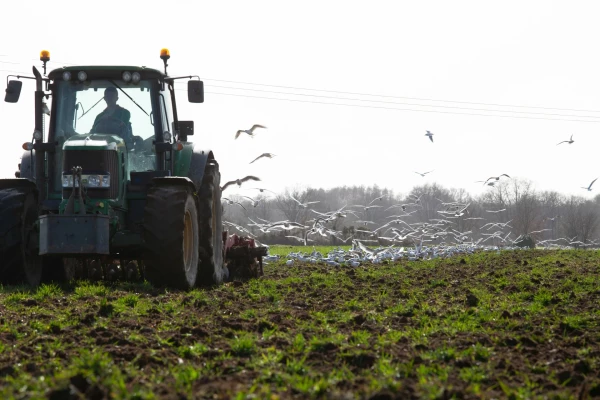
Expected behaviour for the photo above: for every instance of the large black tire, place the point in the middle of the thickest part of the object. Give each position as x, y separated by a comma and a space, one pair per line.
19, 259
211, 270
57, 269
171, 237
11, 258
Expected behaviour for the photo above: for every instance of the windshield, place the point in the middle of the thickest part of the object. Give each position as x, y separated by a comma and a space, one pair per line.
110, 107
105, 106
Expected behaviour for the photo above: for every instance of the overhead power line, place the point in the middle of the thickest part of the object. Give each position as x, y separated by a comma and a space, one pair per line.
408, 104
403, 97
377, 95
432, 108
405, 109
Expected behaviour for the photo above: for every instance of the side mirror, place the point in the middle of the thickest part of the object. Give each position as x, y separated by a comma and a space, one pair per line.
186, 128
13, 91
196, 91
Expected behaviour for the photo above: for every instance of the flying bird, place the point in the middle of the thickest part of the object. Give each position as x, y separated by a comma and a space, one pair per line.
423, 173
303, 205
496, 177
254, 202
231, 202
262, 190
240, 181
567, 141
269, 155
377, 198
249, 131
589, 188
430, 136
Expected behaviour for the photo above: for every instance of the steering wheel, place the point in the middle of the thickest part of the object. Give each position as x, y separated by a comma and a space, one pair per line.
111, 125
138, 144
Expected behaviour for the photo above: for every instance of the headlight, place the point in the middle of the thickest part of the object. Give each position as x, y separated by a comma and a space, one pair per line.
135, 77
167, 136
67, 181
66, 76
126, 76
91, 181
37, 135
82, 76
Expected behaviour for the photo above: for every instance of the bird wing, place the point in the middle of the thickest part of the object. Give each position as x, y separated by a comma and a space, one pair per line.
249, 178
505, 175
237, 134
262, 155
592, 183
564, 141
375, 199
240, 204
295, 199
431, 137
226, 185
257, 126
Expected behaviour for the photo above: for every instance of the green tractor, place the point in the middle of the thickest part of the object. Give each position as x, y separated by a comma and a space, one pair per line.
116, 192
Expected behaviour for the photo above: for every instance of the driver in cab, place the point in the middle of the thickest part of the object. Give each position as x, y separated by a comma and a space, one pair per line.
114, 119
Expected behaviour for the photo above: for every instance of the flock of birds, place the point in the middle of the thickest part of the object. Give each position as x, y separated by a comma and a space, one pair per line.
432, 239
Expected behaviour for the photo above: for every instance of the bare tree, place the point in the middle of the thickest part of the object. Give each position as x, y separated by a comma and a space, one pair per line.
581, 219
290, 208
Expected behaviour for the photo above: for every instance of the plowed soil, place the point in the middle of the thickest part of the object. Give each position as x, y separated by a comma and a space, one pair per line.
516, 324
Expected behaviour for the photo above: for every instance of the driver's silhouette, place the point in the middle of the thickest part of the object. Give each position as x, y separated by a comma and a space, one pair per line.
114, 119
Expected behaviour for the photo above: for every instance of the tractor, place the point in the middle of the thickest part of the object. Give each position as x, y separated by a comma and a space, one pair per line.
116, 193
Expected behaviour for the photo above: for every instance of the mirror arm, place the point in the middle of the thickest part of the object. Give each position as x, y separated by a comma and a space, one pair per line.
182, 77
18, 77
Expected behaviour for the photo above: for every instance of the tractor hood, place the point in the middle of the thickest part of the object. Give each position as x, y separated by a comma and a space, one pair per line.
94, 141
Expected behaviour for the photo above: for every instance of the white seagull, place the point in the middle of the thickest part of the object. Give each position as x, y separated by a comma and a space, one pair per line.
589, 188
231, 202
269, 155
254, 202
496, 177
430, 136
249, 131
567, 141
303, 205
240, 181
377, 198
423, 173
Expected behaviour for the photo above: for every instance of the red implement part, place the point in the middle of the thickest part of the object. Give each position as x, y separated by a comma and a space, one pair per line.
242, 258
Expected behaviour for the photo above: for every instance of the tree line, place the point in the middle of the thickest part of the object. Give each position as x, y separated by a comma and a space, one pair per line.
506, 211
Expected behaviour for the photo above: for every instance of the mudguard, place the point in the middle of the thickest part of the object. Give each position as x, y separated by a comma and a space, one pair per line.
24, 183
27, 165
173, 181
191, 162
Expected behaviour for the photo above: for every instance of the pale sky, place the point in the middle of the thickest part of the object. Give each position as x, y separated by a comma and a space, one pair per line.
526, 54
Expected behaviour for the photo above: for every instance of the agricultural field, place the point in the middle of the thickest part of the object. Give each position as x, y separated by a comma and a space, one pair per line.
510, 324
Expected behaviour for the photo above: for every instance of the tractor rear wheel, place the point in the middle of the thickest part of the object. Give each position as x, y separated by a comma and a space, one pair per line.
211, 270
171, 237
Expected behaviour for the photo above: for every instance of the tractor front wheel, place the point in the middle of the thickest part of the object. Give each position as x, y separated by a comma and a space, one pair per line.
171, 237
